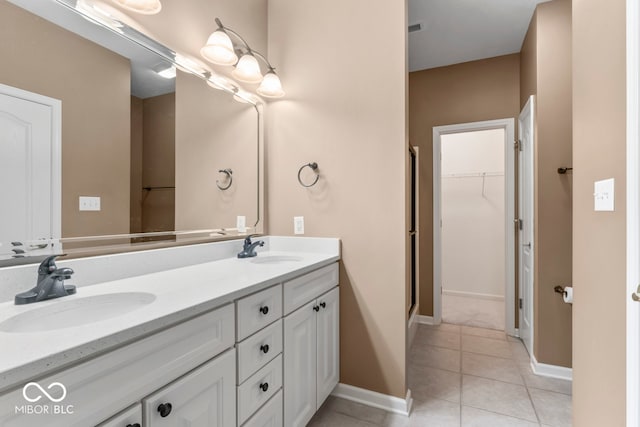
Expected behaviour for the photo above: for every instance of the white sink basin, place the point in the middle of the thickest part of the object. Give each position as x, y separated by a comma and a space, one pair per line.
68, 313
275, 259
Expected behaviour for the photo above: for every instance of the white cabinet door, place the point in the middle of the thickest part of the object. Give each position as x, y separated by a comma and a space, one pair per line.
131, 417
328, 344
300, 366
203, 398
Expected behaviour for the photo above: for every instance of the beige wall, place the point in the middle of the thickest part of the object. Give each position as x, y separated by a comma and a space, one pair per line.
221, 133
159, 162
135, 193
546, 70
599, 242
346, 110
474, 91
48, 60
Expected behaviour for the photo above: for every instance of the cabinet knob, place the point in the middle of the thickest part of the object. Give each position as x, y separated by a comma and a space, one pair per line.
164, 409
323, 304
264, 310
133, 425
316, 308
265, 348
264, 386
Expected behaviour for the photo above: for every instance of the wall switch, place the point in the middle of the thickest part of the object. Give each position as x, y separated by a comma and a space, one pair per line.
298, 225
89, 203
603, 195
241, 223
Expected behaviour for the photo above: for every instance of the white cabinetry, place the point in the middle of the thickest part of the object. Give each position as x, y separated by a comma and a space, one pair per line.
204, 397
131, 417
311, 357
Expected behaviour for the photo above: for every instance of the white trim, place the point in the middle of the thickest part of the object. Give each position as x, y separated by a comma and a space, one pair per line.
633, 212
473, 295
374, 399
56, 156
551, 371
509, 207
426, 320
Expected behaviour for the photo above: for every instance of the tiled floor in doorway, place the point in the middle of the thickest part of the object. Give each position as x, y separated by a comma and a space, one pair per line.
464, 376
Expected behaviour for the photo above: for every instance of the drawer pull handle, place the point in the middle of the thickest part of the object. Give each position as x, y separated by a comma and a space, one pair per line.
316, 308
133, 425
264, 348
264, 310
164, 409
264, 386
323, 304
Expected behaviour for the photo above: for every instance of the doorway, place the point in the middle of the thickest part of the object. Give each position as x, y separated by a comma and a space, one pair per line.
474, 200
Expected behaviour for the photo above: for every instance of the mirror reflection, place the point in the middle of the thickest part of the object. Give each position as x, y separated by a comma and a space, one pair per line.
142, 147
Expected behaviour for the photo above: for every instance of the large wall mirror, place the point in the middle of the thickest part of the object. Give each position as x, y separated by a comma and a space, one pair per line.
146, 152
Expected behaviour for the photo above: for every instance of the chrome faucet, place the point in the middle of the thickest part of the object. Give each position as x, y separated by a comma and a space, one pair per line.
249, 248
50, 283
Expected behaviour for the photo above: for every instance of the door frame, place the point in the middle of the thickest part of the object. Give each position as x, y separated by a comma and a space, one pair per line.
509, 209
633, 212
56, 155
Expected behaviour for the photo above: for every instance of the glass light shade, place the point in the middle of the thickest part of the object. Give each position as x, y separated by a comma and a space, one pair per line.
145, 7
248, 70
271, 86
219, 49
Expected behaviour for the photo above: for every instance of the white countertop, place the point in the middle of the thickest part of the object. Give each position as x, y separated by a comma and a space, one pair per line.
181, 293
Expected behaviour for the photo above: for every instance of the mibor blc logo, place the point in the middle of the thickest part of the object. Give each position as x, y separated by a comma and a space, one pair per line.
47, 398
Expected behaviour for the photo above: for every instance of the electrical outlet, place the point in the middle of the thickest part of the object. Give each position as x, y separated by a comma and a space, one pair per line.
89, 203
603, 195
241, 223
298, 225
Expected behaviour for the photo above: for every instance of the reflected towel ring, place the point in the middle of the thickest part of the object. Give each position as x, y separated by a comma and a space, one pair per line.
228, 173
314, 167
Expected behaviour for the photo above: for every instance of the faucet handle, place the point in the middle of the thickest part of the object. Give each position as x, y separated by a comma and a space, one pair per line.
48, 265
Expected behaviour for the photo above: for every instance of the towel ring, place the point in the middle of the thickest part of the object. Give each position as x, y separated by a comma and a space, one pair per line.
314, 167
228, 173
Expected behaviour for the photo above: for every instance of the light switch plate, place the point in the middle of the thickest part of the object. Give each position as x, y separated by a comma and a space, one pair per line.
241, 223
298, 225
603, 195
89, 203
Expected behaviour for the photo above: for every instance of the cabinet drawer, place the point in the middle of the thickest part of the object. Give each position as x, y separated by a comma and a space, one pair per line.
127, 374
254, 392
258, 349
270, 415
303, 289
205, 395
258, 310
129, 417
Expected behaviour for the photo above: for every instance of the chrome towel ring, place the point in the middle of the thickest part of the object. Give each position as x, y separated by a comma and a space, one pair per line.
314, 167
228, 173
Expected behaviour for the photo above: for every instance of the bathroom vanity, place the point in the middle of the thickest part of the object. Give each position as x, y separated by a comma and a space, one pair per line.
230, 342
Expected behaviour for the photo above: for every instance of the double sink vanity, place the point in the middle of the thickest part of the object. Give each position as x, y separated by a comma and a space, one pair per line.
228, 342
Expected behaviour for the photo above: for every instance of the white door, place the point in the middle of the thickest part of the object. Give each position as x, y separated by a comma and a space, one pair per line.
525, 208
29, 169
300, 366
328, 345
205, 397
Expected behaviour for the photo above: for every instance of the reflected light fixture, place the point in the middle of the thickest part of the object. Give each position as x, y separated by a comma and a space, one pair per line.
167, 73
221, 50
145, 7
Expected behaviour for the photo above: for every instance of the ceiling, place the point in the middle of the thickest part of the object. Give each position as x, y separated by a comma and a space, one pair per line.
455, 31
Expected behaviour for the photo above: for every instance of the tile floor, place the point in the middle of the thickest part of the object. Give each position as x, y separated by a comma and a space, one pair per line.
479, 312
465, 377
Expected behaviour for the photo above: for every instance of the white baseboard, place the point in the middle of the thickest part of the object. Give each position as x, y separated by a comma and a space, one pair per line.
425, 320
473, 295
375, 399
551, 371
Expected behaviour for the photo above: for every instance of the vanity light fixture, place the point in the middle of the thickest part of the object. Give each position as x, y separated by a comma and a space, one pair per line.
145, 7
221, 50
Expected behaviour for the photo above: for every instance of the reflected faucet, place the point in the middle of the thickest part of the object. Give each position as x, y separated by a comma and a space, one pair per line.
249, 249
50, 283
